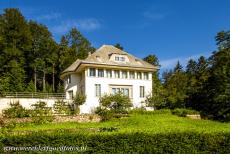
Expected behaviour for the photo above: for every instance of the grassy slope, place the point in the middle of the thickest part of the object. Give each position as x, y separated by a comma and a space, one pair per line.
152, 123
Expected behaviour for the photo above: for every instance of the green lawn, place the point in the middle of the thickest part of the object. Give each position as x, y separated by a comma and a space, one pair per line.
152, 122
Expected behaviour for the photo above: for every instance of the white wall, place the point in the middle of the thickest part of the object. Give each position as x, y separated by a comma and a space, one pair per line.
92, 101
74, 85
25, 102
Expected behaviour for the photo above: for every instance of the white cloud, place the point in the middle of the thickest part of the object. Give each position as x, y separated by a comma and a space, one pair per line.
50, 16
88, 24
153, 15
170, 63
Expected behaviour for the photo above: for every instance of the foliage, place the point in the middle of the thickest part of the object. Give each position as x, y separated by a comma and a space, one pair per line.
30, 59
61, 107
133, 142
175, 84
117, 101
79, 99
41, 113
16, 111
113, 106
104, 113
183, 112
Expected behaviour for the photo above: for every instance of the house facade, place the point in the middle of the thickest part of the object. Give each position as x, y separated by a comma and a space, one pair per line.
108, 70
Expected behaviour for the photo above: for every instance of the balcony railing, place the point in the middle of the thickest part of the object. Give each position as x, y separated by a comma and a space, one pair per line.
32, 95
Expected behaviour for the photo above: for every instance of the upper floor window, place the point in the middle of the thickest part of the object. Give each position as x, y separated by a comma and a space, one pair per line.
109, 73
131, 75
146, 77
119, 58
100, 73
117, 73
92, 72
138, 75
68, 79
124, 74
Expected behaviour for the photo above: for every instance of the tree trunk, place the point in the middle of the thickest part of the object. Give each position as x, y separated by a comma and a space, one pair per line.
35, 80
44, 81
53, 78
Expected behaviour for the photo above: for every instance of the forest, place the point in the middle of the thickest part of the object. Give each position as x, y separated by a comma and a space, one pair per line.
32, 61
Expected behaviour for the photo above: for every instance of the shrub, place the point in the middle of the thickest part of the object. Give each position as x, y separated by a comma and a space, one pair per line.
41, 113
15, 111
78, 100
179, 142
105, 114
113, 106
117, 102
61, 107
183, 112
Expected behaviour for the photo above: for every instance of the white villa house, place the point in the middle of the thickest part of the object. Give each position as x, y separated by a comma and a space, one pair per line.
107, 71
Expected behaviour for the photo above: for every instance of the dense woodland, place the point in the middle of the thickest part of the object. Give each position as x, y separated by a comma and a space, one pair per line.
31, 60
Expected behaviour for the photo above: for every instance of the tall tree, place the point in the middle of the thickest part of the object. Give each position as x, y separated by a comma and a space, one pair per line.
17, 43
175, 84
157, 99
117, 45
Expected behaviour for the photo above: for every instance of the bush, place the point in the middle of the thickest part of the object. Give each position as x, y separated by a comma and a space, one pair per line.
104, 113
61, 107
78, 100
183, 142
15, 111
113, 106
183, 112
117, 102
41, 113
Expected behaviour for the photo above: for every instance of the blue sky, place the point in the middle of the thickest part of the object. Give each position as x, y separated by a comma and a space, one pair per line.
171, 29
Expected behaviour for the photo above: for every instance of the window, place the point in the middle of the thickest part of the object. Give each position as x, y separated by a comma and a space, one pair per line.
122, 58
124, 74
116, 58
146, 76
119, 58
138, 75
142, 91
109, 73
97, 90
131, 75
70, 93
68, 79
100, 73
125, 90
92, 72
117, 74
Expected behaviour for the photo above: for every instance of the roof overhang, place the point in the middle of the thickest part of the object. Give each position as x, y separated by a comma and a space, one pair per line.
83, 64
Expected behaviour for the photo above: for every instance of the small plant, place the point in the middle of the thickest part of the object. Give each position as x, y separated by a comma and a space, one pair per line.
15, 111
78, 100
108, 129
42, 113
105, 114
183, 112
7, 127
61, 107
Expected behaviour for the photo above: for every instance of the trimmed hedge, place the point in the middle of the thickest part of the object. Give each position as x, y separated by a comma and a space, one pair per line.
183, 142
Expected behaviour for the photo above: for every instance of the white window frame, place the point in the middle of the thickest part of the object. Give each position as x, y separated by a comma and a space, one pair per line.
94, 72
100, 71
142, 91
98, 90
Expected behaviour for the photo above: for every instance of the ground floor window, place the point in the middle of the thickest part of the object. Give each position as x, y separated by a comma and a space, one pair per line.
126, 90
142, 91
70, 93
97, 90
